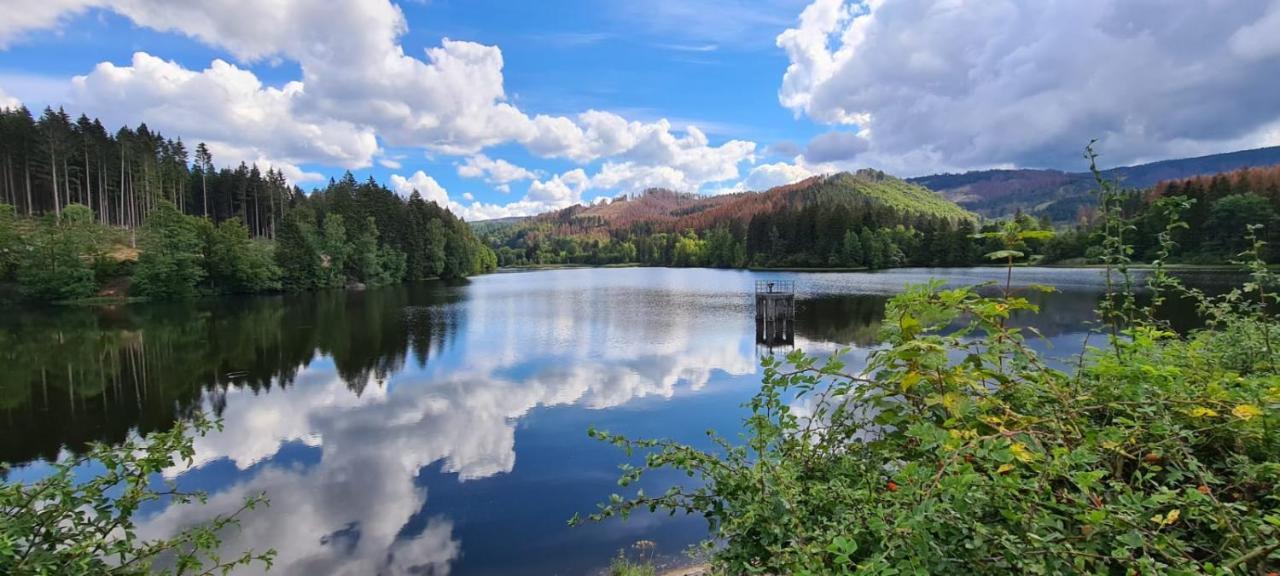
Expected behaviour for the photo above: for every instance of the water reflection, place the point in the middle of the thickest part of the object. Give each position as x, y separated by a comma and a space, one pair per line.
435, 429
73, 375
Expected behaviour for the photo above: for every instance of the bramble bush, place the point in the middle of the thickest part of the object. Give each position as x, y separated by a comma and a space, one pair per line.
958, 450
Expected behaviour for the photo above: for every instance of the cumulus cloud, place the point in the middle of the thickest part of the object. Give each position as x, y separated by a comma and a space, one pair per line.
1029, 83
427, 186
766, 176
493, 171
358, 87
223, 105
348, 512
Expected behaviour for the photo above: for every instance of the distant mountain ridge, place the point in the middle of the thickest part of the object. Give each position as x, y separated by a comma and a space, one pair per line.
657, 210
1063, 196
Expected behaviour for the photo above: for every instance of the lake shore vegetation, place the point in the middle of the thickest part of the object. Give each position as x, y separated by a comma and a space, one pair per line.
959, 448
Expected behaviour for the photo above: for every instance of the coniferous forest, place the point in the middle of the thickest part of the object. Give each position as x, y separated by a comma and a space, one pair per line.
864, 220
84, 211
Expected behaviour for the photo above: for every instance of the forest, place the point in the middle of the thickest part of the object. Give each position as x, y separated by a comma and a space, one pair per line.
85, 212
832, 227
862, 220
1215, 210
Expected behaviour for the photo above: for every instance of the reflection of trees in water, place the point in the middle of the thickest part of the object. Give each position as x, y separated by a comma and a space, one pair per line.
844, 319
73, 375
855, 319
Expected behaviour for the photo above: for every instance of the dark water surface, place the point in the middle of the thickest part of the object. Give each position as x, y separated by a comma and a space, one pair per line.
433, 428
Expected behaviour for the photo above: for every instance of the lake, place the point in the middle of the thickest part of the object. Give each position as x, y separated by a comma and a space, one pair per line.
438, 428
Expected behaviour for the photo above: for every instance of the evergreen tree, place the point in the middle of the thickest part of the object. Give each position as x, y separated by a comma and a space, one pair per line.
851, 249
298, 251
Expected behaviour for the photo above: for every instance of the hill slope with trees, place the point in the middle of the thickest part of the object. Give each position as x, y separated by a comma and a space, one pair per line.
82, 209
1068, 196
863, 219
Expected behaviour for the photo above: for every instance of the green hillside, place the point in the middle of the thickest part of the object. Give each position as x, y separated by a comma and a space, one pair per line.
858, 219
889, 191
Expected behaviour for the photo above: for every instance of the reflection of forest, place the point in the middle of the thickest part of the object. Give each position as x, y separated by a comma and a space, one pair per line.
856, 319
843, 319
74, 375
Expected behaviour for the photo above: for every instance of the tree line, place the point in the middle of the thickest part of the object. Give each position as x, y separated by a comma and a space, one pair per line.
1215, 210
822, 235
859, 234
50, 162
81, 210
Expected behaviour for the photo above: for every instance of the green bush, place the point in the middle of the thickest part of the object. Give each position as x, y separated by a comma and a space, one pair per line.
10, 242
233, 262
56, 260
958, 450
63, 524
169, 263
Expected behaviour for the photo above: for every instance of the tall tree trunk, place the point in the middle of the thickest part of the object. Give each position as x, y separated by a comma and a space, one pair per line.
88, 190
271, 230
66, 180
204, 190
102, 192
26, 170
57, 204
120, 206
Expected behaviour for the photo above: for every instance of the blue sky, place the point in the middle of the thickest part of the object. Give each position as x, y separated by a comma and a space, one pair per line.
508, 108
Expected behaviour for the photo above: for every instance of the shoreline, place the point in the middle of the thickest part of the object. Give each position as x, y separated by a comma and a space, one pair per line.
819, 269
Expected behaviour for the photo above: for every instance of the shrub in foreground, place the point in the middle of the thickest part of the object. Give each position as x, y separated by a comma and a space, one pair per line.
67, 525
958, 450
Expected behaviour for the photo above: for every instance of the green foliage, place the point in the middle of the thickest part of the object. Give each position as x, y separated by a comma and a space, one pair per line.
894, 193
334, 252
641, 565
851, 251
804, 225
57, 260
65, 524
169, 265
958, 450
298, 251
234, 262
1232, 214
11, 250
622, 566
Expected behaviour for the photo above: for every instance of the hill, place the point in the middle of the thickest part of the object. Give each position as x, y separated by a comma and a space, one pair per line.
665, 210
801, 224
1065, 196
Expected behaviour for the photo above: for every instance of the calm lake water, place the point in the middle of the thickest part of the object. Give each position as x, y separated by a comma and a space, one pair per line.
435, 428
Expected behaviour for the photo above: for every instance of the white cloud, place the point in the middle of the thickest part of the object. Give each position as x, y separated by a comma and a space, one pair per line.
468, 196
493, 171
371, 448
561, 190
7, 101
224, 105
427, 186
1029, 83
358, 87
766, 176
390, 163
22, 16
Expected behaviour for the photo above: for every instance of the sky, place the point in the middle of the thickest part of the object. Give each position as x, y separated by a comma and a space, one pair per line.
508, 108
